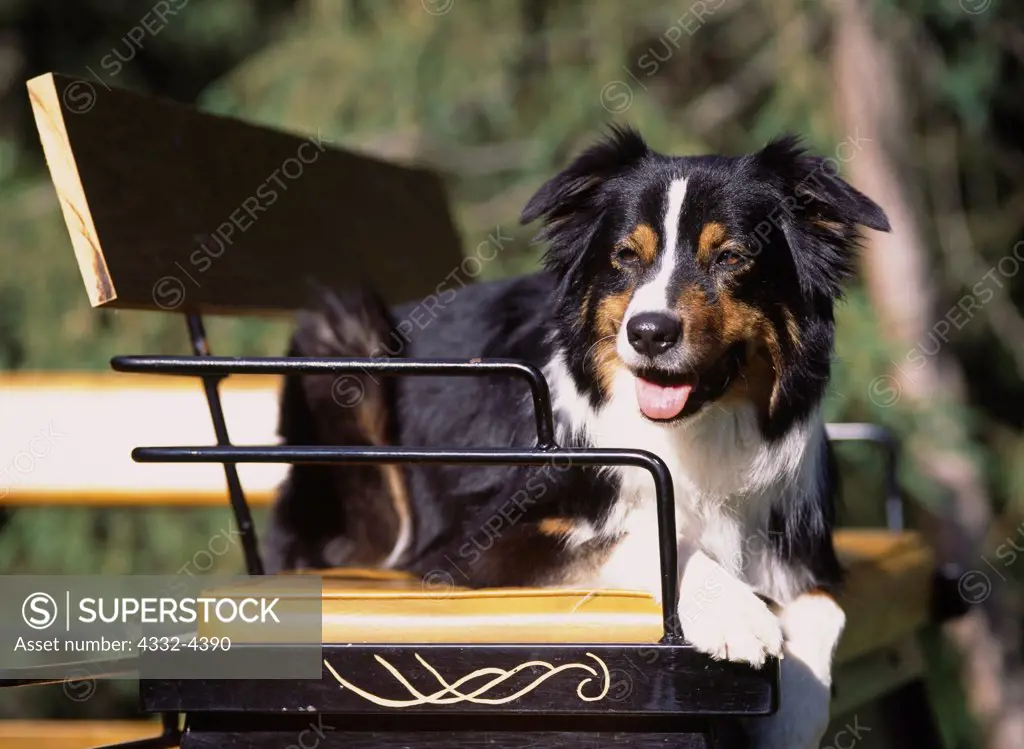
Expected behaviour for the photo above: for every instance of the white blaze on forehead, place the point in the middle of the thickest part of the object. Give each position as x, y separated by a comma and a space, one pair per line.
653, 296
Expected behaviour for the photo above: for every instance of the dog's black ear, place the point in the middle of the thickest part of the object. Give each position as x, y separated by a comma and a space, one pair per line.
816, 184
573, 189
571, 206
821, 213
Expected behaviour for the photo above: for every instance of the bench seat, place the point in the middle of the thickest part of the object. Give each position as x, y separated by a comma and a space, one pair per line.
887, 597
73, 734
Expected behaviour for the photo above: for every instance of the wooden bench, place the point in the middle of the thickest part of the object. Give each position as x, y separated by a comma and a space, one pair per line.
73, 734
144, 186
89, 423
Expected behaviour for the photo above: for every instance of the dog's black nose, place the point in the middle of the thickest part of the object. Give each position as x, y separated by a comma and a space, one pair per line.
653, 333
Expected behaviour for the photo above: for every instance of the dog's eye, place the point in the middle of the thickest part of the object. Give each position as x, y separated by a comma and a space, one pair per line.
730, 259
626, 257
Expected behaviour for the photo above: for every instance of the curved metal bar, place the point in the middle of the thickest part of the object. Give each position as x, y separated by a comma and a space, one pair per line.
477, 456
862, 432
227, 365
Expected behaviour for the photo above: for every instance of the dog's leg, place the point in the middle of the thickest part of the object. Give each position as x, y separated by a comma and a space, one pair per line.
719, 614
812, 624
723, 616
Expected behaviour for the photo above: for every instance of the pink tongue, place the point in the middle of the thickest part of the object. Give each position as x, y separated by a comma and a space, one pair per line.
659, 402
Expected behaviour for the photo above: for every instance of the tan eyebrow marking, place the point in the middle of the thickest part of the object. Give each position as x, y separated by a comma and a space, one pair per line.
643, 240
712, 236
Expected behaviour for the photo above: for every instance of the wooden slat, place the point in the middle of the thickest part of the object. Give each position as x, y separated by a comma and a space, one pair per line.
73, 734
886, 603
67, 439
170, 208
357, 607
888, 589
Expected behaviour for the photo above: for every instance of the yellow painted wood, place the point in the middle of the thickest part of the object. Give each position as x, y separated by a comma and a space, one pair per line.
73, 734
887, 600
67, 439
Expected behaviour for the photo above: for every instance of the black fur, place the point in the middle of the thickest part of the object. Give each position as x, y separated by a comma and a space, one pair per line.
329, 515
463, 514
804, 537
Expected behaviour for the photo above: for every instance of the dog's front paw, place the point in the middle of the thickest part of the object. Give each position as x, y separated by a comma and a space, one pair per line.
726, 620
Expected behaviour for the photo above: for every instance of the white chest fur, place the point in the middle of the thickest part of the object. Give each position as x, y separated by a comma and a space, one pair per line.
726, 480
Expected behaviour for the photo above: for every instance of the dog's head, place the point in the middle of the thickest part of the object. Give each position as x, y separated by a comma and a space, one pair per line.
701, 279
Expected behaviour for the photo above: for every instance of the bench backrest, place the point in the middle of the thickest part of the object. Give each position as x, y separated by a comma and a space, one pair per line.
170, 208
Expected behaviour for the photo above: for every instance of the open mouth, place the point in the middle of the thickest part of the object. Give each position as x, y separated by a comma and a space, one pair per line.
668, 396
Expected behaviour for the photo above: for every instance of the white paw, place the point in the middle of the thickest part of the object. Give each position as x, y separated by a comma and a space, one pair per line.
726, 620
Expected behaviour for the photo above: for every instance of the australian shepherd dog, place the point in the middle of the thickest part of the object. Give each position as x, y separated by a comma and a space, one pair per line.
685, 308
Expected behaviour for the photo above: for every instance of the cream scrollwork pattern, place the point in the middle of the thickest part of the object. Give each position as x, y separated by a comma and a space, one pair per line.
450, 694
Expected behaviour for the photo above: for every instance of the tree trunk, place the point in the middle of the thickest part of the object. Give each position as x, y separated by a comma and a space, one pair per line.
869, 100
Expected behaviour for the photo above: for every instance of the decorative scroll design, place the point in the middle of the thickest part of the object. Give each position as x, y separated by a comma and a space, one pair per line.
450, 694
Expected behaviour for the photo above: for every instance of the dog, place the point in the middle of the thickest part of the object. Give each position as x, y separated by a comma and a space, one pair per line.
685, 307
